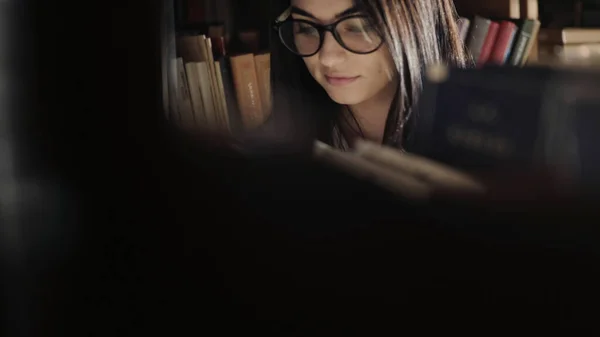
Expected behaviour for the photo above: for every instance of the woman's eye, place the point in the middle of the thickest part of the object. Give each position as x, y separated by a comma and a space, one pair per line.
359, 29
306, 29
354, 29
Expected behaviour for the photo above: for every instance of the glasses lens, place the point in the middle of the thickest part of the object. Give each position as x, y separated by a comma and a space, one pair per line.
358, 35
300, 37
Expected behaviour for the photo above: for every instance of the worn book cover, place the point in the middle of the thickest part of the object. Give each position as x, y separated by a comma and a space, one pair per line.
510, 119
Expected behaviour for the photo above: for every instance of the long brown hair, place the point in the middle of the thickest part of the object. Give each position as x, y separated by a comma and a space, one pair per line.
417, 33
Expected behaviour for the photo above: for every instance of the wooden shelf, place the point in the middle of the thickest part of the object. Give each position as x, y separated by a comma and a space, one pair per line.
501, 8
515, 9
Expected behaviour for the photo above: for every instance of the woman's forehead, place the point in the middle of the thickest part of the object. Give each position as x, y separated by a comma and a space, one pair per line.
324, 10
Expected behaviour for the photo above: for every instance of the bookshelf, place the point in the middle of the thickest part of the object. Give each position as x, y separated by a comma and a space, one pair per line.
570, 33
196, 16
246, 28
513, 9
499, 8
505, 8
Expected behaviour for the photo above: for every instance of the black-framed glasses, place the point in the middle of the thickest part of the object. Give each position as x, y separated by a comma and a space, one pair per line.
305, 38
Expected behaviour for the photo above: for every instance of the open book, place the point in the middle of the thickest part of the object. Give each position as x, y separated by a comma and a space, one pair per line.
408, 175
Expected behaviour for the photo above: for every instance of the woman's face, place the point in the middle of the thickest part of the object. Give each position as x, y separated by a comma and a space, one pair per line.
348, 78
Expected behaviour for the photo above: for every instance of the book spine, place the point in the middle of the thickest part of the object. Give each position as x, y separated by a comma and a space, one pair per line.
503, 44
186, 110
219, 112
488, 44
230, 94
532, 43
520, 46
222, 100
246, 86
477, 35
263, 71
193, 81
207, 96
463, 28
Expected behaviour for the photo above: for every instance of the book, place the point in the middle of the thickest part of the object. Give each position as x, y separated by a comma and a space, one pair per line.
263, 73
504, 42
488, 43
476, 38
580, 55
245, 80
407, 175
524, 41
510, 119
513, 43
571, 35
184, 98
463, 28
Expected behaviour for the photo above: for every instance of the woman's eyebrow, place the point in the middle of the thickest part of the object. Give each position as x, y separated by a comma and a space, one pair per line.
300, 11
351, 10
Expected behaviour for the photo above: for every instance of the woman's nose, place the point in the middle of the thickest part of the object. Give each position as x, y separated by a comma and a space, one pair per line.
331, 53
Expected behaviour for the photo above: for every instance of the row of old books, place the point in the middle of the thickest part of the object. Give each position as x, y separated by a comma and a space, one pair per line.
220, 92
499, 41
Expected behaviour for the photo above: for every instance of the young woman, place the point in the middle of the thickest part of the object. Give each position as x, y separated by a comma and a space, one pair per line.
344, 69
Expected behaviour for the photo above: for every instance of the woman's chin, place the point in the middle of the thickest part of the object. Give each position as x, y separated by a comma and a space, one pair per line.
345, 99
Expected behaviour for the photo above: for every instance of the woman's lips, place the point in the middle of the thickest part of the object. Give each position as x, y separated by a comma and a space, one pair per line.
340, 80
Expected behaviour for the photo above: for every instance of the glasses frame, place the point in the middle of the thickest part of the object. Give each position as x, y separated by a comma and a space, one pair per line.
322, 29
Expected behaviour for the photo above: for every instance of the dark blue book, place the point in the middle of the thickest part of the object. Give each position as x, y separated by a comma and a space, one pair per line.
500, 118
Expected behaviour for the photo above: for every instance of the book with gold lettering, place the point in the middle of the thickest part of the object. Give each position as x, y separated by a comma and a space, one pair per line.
510, 119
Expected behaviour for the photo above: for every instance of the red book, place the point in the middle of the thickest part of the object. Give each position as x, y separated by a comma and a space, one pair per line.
504, 42
488, 44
